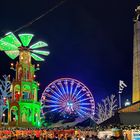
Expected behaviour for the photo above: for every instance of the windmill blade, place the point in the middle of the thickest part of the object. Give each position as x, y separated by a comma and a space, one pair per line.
12, 39
6, 46
12, 54
39, 44
36, 57
9, 42
25, 39
46, 53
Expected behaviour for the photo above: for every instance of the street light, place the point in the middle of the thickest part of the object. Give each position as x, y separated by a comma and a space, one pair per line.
14, 119
3, 118
127, 103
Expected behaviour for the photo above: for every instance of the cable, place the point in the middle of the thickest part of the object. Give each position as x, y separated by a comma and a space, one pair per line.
38, 18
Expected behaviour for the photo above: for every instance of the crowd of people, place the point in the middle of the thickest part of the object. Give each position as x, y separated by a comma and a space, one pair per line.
55, 134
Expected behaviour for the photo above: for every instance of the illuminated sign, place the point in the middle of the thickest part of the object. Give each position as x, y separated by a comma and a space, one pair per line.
135, 134
105, 134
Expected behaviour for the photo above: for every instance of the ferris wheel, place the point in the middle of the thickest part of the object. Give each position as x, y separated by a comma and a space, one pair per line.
68, 96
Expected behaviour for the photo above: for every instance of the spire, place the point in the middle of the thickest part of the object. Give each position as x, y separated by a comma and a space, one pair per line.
137, 10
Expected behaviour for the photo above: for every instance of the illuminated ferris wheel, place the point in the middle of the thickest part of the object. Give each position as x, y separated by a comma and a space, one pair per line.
68, 96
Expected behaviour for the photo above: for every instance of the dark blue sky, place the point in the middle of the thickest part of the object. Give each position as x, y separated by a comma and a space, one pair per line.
89, 40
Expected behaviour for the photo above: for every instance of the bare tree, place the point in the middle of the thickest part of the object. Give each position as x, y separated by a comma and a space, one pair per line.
5, 94
105, 110
112, 105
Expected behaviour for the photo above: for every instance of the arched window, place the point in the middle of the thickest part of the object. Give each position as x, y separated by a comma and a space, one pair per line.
19, 73
14, 113
26, 114
17, 93
26, 90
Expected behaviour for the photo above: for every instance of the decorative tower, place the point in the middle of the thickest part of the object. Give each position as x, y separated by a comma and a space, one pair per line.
136, 58
135, 106
24, 108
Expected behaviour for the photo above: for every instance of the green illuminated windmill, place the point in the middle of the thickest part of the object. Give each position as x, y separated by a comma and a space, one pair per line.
12, 46
24, 109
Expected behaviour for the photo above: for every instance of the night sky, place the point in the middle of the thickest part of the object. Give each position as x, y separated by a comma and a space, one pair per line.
89, 40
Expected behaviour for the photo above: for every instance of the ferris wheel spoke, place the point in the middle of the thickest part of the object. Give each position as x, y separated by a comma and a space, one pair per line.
50, 106
81, 96
61, 110
55, 109
82, 100
59, 91
54, 97
66, 86
77, 94
85, 108
75, 91
80, 114
71, 88
52, 101
84, 112
85, 104
63, 89
55, 93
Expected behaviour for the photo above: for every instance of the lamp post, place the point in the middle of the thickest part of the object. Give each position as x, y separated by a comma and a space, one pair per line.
122, 85
3, 118
120, 102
